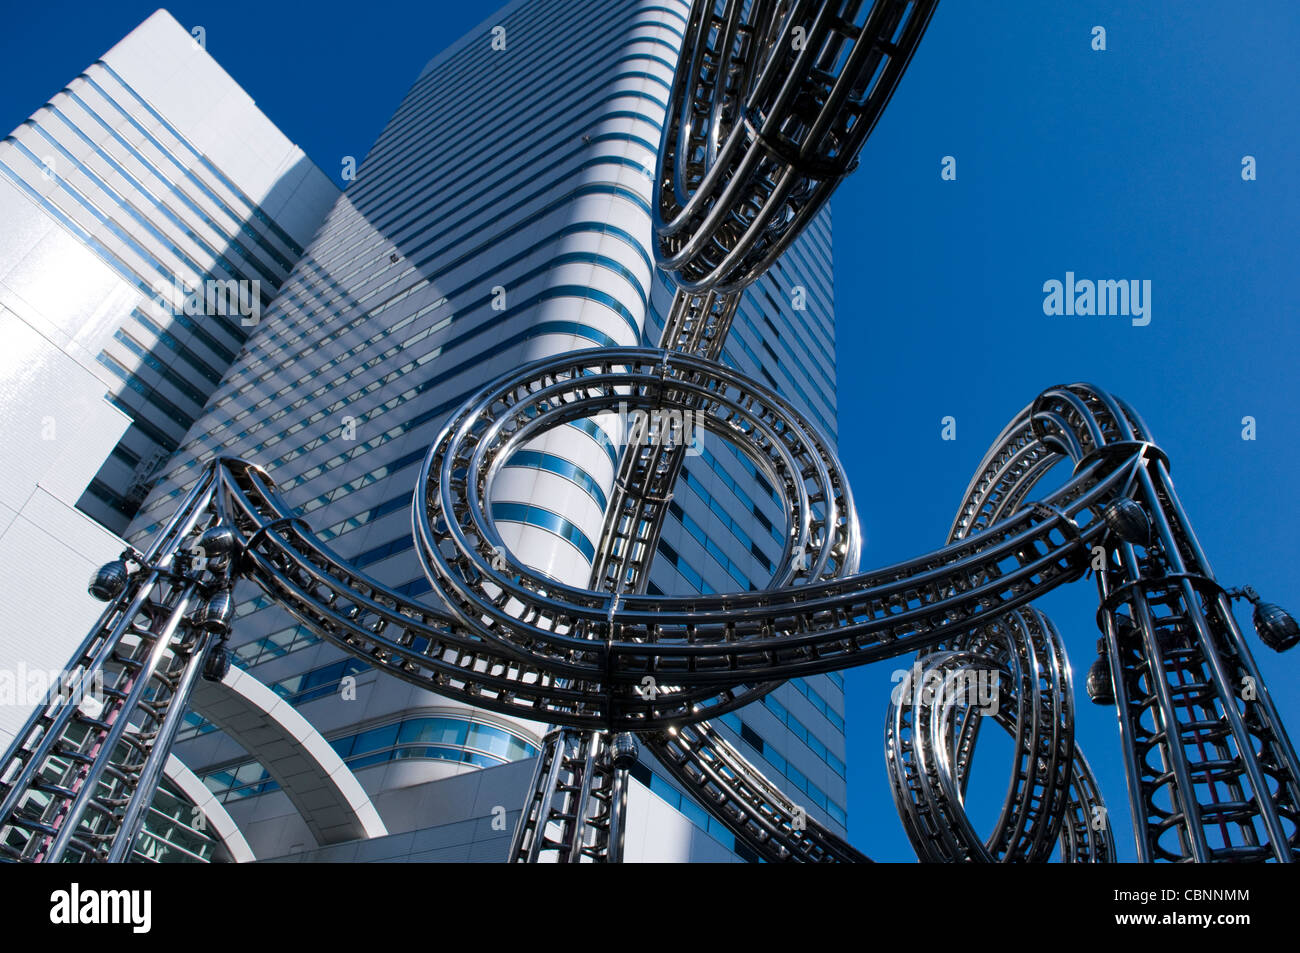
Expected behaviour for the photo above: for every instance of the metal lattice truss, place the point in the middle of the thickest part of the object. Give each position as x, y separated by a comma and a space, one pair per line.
772, 102
929, 747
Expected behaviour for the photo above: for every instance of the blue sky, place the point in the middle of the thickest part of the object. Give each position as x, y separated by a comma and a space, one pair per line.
1117, 164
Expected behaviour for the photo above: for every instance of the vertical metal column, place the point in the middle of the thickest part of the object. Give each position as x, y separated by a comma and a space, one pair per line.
79, 777
1212, 774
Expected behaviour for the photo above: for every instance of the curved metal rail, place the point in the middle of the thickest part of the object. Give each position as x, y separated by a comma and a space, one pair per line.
929, 743
512, 636
704, 651
771, 104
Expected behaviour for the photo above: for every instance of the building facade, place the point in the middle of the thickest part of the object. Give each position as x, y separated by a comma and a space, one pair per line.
502, 216
150, 212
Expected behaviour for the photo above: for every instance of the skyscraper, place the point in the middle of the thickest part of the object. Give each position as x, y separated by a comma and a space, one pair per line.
502, 216
150, 210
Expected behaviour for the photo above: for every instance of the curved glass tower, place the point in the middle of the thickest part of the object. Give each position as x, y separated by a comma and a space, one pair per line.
502, 216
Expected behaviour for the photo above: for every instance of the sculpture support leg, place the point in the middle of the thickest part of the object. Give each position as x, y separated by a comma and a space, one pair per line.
570, 813
1212, 774
80, 777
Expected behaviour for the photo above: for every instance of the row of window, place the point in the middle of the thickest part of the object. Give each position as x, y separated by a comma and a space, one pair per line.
106, 254
737, 530
691, 810
521, 97
318, 682
176, 415
289, 304
110, 497
425, 103
372, 273
804, 333
154, 433
372, 276
438, 738
808, 404
822, 384
444, 238
398, 431
394, 503
711, 547
103, 189
224, 237
186, 353
252, 208
569, 327
793, 774
369, 219
375, 267
270, 331
544, 519
173, 831
823, 706
147, 358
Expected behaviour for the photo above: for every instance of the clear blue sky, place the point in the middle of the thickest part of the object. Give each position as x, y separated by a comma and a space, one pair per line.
1117, 164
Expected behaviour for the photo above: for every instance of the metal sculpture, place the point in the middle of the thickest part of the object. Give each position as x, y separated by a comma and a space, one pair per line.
757, 137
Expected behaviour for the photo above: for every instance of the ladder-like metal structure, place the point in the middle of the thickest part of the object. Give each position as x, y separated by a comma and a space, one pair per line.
1211, 770
577, 807
82, 771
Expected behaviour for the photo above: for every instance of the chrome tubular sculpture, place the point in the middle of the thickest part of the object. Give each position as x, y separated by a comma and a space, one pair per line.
772, 102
